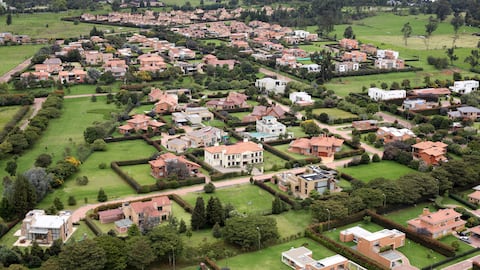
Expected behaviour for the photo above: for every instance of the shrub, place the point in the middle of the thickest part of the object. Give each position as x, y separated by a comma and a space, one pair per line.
102, 166
82, 180
209, 188
72, 201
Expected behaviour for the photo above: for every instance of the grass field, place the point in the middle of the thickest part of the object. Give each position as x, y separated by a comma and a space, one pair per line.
49, 25
11, 56
6, 114
217, 42
245, 198
272, 162
386, 169
240, 115
284, 148
269, 258
297, 131
292, 222
141, 173
402, 216
333, 113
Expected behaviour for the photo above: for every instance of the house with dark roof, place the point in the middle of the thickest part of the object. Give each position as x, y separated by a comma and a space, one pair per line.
163, 163
467, 112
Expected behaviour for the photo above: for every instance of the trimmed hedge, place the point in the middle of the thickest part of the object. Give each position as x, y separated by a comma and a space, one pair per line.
447, 260
270, 190
222, 176
96, 230
463, 201
184, 204
426, 241
323, 226
351, 153
116, 168
345, 251
13, 122
122, 139
276, 152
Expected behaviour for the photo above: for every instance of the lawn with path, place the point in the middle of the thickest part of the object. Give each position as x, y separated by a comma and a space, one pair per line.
386, 169
334, 113
11, 56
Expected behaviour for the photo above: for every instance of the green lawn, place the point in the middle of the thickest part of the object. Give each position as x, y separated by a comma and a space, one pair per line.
179, 213
269, 258
141, 109
297, 131
245, 198
334, 113
239, 115
314, 47
217, 42
284, 148
6, 114
141, 173
404, 215
464, 247
49, 25
292, 222
385, 168
215, 123
82, 231
272, 162
11, 56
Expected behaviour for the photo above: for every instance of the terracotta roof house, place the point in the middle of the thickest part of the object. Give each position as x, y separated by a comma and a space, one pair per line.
315, 178
36, 75
93, 58
474, 197
380, 246
391, 134
237, 155
152, 212
368, 48
365, 125
166, 102
109, 216
44, 229
430, 91
438, 224
233, 100
118, 67
432, 153
212, 60
349, 44
322, 146
301, 258
140, 122
204, 137
54, 65
72, 76
151, 62
180, 53
260, 111
159, 167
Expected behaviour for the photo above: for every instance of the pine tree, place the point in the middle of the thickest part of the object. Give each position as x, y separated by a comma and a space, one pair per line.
182, 227
71, 200
277, 206
215, 213
24, 194
58, 203
216, 231
102, 197
7, 212
9, 19
198, 216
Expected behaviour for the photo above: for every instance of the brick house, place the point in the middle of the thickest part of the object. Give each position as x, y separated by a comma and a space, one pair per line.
72, 76
391, 134
109, 216
314, 178
44, 229
349, 44
118, 67
159, 166
474, 197
438, 224
166, 102
432, 153
261, 111
380, 246
237, 155
365, 125
151, 62
322, 146
204, 137
233, 100
154, 211
213, 60
94, 58
466, 112
140, 122
354, 56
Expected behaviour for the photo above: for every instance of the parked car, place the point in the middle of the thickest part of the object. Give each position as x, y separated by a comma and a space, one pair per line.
465, 239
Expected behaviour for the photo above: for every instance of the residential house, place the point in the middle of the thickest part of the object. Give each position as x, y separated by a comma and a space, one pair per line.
379, 246
301, 259
365, 125
238, 155
204, 137
109, 216
391, 134
180, 53
464, 87
384, 63
118, 67
166, 102
387, 54
177, 145
151, 212
151, 62
140, 122
467, 112
94, 58
301, 98
438, 224
416, 104
162, 164
52, 65
73, 76
314, 178
348, 66
354, 56
311, 67
187, 68
269, 129
271, 85
36, 76
192, 115
291, 40
122, 225
295, 52
474, 197
349, 44
44, 229
378, 94
369, 49
212, 60
432, 153
430, 92
322, 146
233, 100
260, 111
287, 60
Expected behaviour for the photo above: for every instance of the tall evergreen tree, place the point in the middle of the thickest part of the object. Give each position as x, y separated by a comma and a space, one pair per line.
198, 216
215, 212
277, 206
102, 197
9, 19
24, 195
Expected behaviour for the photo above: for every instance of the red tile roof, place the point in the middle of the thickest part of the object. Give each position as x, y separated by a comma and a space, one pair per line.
238, 148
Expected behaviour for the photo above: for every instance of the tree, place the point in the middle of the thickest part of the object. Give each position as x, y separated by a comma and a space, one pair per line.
99, 145
7, 211
182, 227
249, 232
71, 200
102, 197
310, 128
348, 33
11, 168
278, 206
376, 158
177, 169
365, 158
442, 9
430, 27
24, 195
8, 256
325, 60
84, 255
58, 203
214, 212
133, 231
43, 160
82, 180
338, 210
457, 22
209, 188
473, 59
406, 31
216, 231
198, 220
451, 55
9, 19
115, 251
165, 241
372, 198
40, 180
94, 132
139, 252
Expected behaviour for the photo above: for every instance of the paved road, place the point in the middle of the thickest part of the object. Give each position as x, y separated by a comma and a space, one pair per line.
6, 77
80, 213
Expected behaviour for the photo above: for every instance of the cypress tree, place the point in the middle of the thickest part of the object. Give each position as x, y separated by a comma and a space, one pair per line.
24, 194
182, 227
198, 220
215, 213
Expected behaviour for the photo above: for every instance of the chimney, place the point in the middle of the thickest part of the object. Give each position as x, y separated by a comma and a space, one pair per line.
426, 211
245, 139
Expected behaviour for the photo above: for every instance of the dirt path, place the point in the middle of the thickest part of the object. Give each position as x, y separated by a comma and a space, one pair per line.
37, 105
80, 213
85, 95
6, 77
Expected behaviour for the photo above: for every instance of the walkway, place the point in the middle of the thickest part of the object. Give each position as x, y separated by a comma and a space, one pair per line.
81, 212
7, 76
